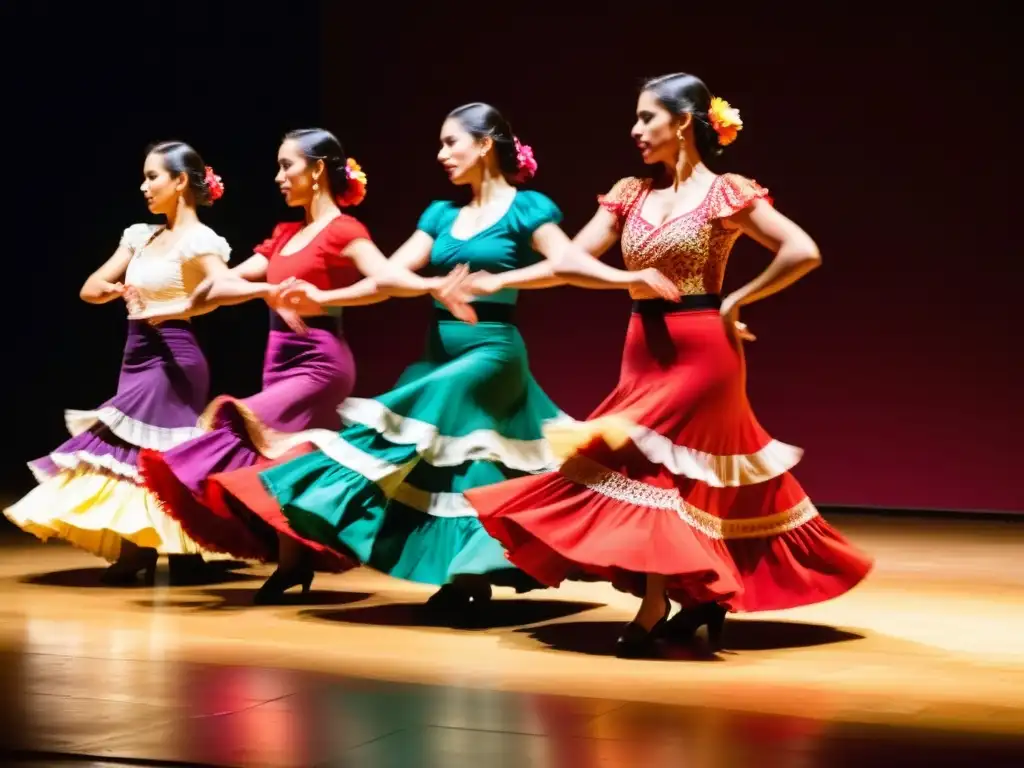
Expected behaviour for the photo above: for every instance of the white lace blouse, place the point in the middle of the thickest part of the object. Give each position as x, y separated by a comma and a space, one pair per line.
166, 280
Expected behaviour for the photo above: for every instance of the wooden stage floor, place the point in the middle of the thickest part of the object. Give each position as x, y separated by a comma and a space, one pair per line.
923, 664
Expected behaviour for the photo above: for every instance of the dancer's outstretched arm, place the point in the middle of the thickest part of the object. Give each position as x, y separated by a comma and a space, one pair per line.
385, 278
572, 262
220, 287
104, 284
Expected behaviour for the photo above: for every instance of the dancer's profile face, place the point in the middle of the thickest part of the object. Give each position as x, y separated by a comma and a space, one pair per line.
655, 131
159, 187
460, 154
295, 174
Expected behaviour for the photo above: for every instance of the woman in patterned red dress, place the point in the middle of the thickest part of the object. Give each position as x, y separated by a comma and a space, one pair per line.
672, 489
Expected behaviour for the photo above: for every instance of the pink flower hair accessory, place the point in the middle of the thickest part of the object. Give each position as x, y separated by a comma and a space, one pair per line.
524, 160
214, 184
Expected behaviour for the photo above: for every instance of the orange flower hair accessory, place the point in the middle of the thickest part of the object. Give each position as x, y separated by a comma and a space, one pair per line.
725, 119
355, 192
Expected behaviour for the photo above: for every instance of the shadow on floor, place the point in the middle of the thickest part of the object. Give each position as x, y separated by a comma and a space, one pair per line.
501, 614
217, 600
217, 572
597, 638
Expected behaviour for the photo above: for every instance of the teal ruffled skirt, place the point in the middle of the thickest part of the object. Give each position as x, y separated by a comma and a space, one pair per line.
388, 489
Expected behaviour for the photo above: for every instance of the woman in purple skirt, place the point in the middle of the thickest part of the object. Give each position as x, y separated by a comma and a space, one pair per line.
90, 491
308, 367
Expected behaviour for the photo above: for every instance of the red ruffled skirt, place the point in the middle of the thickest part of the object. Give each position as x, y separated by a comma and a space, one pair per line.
673, 475
248, 530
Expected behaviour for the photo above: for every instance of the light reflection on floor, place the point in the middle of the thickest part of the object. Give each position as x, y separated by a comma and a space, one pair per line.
921, 666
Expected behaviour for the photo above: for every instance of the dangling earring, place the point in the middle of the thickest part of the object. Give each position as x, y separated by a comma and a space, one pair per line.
316, 186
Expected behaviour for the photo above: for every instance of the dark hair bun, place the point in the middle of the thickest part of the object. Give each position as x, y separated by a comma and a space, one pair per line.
179, 157
683, 94
318, 144
484, 121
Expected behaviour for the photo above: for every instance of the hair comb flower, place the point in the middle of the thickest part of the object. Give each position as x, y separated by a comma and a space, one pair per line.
214, 184
355, 192
725, 119
525, 160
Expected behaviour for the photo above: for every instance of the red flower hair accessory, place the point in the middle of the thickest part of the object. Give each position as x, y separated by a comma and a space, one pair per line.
525, 160
355, 192
214, 184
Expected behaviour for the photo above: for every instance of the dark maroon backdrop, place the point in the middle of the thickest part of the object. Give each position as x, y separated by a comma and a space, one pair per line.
896, 365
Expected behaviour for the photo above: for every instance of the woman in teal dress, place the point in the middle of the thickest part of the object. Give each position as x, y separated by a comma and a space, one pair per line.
388, 488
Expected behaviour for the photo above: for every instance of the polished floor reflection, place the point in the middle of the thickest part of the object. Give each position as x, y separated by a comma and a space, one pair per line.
182, 712
923, 665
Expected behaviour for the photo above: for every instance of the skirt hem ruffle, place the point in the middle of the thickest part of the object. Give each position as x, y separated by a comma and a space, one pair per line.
98, 509
556, 530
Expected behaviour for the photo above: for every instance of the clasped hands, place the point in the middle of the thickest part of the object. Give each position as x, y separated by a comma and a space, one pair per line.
455, 291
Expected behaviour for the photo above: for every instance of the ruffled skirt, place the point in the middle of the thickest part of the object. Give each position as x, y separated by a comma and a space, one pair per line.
673, 475
388, 489
305, 377
90, 492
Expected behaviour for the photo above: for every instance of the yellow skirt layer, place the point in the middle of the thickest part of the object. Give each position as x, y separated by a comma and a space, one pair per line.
568, 438
95, 511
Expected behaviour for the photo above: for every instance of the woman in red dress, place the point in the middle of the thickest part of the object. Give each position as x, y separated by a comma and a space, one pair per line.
672, 489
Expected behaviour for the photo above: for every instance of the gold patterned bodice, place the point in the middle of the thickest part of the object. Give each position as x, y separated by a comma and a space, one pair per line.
691, 250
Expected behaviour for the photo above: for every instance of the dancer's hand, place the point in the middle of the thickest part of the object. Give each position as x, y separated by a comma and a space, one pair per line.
154, 314
453, 292
133, 298
651, 284
298, 296
293, 298
483, 283
736, 331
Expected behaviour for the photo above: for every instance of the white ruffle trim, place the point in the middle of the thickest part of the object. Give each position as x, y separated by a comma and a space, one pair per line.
435, 504
715, 470
130, 430
482, 445
201, 241
390, 477
72, 461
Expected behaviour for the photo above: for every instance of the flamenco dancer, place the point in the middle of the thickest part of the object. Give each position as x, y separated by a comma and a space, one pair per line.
90, 491
672, 489
388, 488
308, 366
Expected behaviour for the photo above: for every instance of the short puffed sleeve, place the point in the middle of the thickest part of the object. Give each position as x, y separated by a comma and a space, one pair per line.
273, 243
203, 241
137, 235
431, 219
343, 230
534, 210
621, 198
734, 193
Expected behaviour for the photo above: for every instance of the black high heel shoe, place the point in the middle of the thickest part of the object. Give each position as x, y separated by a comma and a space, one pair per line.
635, 642
461, 602
273, 589
125, 572
684, 625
